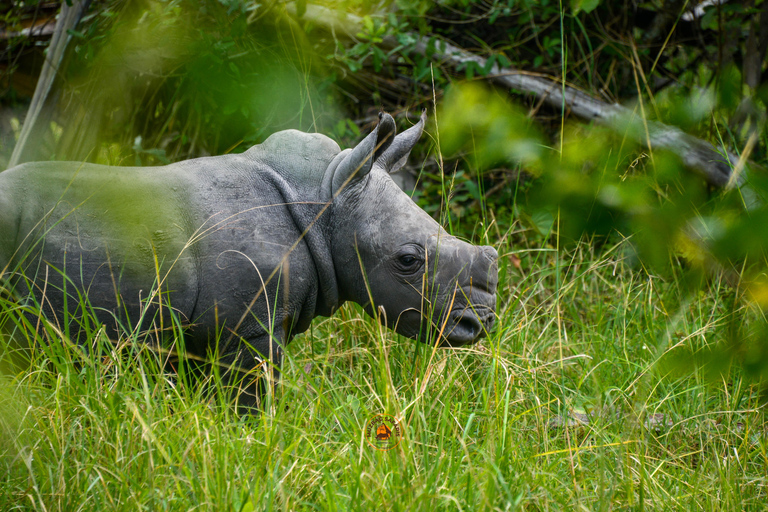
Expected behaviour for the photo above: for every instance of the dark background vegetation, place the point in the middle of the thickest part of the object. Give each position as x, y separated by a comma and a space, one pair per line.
150, 82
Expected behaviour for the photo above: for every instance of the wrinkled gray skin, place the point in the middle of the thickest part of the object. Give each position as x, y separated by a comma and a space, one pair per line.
295, 213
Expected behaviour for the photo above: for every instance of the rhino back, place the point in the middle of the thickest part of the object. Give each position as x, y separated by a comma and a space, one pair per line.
111, 230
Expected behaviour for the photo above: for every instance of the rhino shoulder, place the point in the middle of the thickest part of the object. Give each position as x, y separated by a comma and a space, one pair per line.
292, 138
300, 157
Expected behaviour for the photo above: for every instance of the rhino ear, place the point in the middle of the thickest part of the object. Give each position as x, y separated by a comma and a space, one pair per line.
394, 157
359, 161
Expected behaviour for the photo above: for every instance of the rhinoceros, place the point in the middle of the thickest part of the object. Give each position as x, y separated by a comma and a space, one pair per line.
243, 250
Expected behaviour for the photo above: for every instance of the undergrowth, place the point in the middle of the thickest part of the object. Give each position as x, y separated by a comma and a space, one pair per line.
569, 403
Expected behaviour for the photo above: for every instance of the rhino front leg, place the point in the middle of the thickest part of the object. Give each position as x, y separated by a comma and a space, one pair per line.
251, 373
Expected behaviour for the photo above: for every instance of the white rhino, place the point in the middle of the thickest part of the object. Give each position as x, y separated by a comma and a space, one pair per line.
244, 250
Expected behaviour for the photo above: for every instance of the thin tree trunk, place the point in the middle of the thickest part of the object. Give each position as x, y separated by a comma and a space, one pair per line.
69, 16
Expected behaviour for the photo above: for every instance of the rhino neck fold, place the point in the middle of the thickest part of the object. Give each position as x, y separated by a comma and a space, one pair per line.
311, 218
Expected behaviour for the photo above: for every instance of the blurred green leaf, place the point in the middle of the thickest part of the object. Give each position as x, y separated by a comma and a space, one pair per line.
473, 119
584, 5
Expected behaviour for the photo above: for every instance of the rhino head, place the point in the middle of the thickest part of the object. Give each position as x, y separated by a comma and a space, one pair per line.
393, 258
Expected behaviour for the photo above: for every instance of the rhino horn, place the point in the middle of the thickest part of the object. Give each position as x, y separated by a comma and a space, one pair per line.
359, 161
393, 158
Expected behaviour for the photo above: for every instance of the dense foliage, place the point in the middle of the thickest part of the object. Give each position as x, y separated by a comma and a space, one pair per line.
632, 293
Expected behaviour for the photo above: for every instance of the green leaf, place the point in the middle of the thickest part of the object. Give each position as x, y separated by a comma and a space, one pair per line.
584, 5
368, 23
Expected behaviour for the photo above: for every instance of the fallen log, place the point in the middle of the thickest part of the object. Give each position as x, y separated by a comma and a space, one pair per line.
715, 165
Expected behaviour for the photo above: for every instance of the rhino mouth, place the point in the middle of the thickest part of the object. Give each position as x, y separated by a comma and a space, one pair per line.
467, 325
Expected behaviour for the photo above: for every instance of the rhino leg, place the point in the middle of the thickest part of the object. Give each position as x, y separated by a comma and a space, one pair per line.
252, 372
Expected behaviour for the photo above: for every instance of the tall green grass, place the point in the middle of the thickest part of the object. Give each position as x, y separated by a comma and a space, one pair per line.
569, 404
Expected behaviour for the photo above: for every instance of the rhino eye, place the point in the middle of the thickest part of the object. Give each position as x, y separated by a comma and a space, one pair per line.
409, 262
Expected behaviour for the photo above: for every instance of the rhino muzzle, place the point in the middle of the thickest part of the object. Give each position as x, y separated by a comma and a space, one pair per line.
473, 313
468, 325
